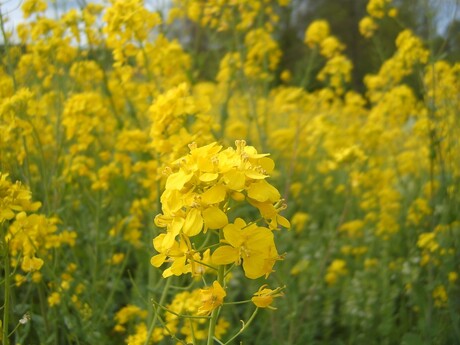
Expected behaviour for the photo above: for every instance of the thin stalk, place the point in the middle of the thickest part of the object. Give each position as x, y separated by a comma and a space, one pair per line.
6, 306
215, 312
152, 273
155, 318
6, 45
243, 328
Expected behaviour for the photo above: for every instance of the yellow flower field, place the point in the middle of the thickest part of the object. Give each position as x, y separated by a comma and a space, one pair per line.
172, 175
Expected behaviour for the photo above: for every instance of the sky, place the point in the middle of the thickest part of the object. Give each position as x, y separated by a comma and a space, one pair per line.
447, 10
12, 9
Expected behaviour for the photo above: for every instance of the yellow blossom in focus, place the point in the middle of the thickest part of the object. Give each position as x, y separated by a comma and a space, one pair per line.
252, 245
211, 297
263, 298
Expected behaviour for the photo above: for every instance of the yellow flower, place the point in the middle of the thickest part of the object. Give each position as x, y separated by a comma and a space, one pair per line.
393, 13
377, 8
440, 296
331, 47
286, 76
299, 220
251, 244
453, 276
367, 27
211, 297
126, 314
31, 264
337, 268
263, 298
427, 240
316, 33
353, 228
117, 258
30, 7
54, 299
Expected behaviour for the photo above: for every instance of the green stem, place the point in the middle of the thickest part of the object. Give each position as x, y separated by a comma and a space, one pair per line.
155, 318
6, 306
184, 316
153, 272
6, 45
215, 312
245, 325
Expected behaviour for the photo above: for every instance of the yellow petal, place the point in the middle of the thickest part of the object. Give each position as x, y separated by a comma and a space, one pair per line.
237, 196
259, 239
225, 255
283, 222
30, 264
167, 273
215, 218
178, 180
6, 214
267, 164
262, 301
235, 180
158, 260
208, 177
233, 235
158, 243
214, 195
193, 222
263, 191
254, 267
255, 175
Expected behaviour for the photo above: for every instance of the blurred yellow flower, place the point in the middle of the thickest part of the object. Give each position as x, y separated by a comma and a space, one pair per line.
367, 27
316, 33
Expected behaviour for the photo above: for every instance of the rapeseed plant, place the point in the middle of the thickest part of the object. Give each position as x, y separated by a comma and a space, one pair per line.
122, 130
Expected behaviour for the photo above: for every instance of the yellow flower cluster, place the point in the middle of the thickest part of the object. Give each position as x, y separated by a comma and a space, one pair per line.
224, 15
195, 303
129, 24
367, 27
337, 70
409, 53
263, 54
169, 114
97, 108
335, 270
200, 192
28, 237
379, 8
